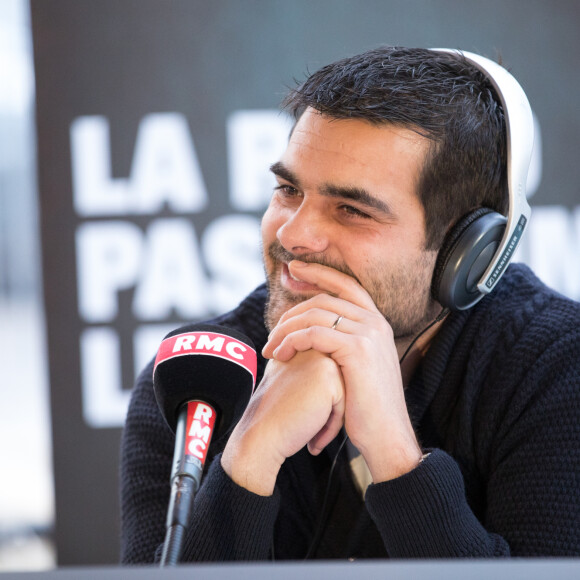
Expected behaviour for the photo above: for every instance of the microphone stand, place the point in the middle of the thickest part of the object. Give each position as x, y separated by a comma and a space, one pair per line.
185, 481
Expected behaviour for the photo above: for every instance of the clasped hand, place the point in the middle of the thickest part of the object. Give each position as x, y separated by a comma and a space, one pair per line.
320, 378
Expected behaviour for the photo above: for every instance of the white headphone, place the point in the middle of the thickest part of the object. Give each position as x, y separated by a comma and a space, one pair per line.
475, 254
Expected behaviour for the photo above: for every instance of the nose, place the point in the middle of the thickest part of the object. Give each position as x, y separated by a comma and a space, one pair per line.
305, 231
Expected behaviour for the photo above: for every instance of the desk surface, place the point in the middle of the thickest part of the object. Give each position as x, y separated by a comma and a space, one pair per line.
550, 569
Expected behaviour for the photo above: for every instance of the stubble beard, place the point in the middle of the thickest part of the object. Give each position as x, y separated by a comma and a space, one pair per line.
402, 296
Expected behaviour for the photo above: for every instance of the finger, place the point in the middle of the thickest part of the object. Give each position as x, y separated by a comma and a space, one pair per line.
308, 319
323, 340
331, 280
326, 302
330, 430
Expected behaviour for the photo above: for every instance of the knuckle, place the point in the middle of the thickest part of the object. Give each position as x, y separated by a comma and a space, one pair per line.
312, 332
322, 301
317, 311
364, 342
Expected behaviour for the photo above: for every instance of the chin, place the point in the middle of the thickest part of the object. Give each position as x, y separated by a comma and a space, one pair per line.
279, 301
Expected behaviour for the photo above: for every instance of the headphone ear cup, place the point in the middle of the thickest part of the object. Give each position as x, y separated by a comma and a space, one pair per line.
465, 254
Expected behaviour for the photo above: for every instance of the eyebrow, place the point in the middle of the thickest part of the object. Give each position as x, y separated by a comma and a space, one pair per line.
282, 171
357, 194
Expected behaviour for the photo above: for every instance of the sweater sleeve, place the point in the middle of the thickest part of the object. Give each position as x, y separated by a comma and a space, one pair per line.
424, 514
229, 522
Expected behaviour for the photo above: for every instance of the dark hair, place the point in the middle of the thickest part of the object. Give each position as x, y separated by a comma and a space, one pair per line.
440, 96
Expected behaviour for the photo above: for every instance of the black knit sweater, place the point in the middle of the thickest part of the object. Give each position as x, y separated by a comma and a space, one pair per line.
496, 399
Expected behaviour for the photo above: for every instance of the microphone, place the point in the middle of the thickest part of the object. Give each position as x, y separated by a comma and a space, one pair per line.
203, 378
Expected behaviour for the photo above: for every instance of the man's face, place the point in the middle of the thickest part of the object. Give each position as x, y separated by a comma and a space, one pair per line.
346, 199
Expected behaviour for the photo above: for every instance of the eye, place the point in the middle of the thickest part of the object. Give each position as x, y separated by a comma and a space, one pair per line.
286, 190
354, 212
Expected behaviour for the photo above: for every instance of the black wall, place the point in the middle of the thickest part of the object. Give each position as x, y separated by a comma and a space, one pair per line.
196, 62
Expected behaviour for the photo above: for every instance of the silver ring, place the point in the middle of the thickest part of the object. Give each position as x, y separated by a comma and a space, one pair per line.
337, 322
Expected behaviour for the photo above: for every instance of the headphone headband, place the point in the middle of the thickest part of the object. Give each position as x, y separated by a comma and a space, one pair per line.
520, 138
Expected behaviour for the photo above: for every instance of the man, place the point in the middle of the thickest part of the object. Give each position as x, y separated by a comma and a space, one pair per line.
465, 423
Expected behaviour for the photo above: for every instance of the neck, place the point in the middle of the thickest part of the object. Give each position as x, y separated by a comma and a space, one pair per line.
419, 345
